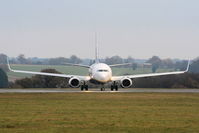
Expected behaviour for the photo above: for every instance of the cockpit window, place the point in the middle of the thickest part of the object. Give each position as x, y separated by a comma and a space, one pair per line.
102, 70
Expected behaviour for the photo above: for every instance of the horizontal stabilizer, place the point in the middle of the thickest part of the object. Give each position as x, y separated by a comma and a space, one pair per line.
124, 64
79, 65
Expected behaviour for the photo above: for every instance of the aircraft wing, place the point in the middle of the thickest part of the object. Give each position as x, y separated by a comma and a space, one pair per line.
79, 65
48, 74
124, 64
114, 78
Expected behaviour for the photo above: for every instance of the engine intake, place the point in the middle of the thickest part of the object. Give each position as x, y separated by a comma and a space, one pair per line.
126, 82
74, 82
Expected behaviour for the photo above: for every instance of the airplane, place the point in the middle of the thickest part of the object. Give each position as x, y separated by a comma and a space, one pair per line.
99, 74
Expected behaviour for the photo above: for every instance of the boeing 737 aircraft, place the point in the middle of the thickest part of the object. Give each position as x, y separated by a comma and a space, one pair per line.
100, 74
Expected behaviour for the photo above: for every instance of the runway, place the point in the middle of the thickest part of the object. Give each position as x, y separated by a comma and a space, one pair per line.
98, 91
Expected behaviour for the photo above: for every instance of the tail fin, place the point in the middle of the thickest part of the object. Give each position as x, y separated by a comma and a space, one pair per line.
96, 50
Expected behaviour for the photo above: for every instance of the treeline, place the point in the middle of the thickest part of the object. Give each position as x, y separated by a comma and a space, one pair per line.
39, 81
154, 62
3, 79
21, 59
188, 80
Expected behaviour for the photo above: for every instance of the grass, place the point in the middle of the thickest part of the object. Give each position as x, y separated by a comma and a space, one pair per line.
99, 113
76, 70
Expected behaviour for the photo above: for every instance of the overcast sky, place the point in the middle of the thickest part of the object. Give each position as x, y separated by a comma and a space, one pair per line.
137, 28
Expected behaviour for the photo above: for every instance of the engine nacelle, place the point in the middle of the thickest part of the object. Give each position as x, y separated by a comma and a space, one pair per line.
74, 82
126, 82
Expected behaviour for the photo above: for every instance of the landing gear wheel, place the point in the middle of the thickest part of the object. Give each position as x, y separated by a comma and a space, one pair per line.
116, 88
112, 88
84, 87
102, 89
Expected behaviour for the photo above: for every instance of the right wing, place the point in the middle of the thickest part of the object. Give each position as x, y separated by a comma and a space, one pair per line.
114, 78
48, 74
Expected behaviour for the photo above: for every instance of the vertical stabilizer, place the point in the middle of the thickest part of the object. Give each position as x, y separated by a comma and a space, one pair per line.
96, 50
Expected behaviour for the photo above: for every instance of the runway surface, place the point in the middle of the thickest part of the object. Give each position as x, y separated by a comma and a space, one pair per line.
98, 91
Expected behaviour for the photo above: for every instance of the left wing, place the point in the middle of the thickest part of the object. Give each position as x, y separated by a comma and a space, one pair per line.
86, 78
114, 78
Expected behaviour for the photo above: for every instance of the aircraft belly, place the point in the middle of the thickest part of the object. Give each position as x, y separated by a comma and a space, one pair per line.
94, 81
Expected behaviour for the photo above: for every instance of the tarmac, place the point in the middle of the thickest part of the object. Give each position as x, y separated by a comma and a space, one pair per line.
74, 90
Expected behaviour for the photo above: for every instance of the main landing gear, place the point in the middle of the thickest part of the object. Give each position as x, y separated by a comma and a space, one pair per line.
102, 89
114, 86
84, 87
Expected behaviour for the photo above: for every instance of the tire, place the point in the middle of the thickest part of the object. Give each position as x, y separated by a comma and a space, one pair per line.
112, 87
86, 87
116, 88
82, 88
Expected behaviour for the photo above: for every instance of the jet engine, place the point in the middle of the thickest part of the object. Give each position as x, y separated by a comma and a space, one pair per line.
126, 82
74, 82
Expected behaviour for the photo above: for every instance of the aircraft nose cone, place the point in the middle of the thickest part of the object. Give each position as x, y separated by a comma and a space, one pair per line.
103, 76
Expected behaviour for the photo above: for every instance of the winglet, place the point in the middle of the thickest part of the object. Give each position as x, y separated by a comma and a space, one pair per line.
188, 65
8, 64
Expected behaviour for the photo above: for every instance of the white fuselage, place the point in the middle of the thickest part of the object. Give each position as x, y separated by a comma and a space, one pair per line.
100, 72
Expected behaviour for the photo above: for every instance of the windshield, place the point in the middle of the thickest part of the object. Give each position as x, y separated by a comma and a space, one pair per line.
102, 70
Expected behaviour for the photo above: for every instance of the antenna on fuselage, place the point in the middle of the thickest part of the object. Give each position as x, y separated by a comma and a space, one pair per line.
96, 50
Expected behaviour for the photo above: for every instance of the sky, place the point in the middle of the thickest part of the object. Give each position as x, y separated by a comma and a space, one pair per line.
136, 28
